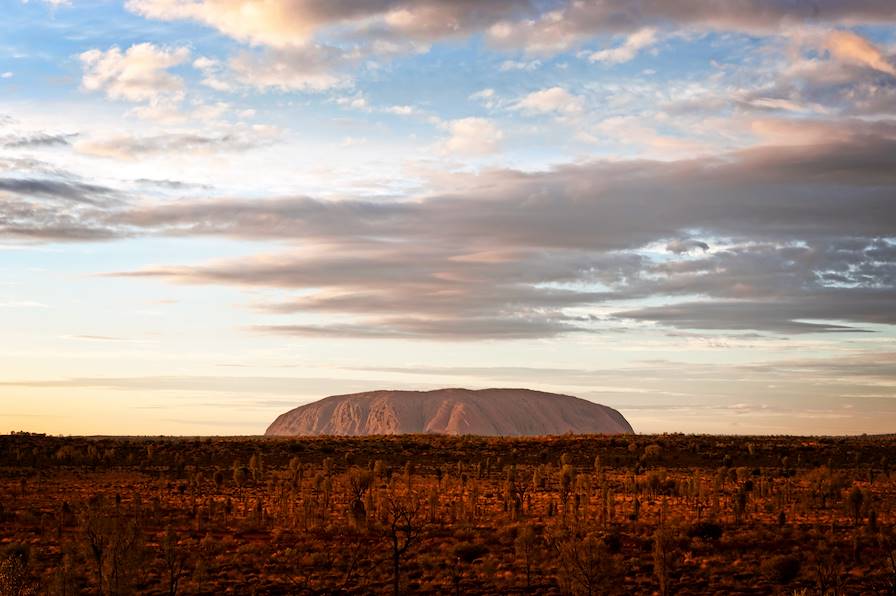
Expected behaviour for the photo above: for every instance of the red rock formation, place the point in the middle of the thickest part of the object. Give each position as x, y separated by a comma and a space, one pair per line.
507, 412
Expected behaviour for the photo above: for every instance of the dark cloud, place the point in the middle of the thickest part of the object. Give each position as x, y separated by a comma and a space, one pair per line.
789, 317
299, 217
681, 246
573, 22
67, 190
54, 206
793, 239
800, 192
786, 289
431, 328
36, 140
509, 23
39, 222
173, 185
843, 89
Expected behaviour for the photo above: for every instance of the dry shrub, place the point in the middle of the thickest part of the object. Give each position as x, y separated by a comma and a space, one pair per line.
781, 569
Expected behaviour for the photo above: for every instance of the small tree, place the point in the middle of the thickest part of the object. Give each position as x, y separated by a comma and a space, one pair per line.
403, 528
526, 547
856, 497
174, 559
586, 565
113, 544
359, 481
567, 478
663, 559
98, 540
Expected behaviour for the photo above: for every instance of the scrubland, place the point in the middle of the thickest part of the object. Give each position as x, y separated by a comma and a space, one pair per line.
665, 514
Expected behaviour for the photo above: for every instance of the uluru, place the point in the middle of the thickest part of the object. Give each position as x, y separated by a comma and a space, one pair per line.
497, 412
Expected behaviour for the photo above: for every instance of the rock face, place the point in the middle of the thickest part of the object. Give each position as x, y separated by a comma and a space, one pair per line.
508, 412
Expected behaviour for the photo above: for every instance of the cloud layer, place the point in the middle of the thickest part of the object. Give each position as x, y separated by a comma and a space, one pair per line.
776, 239
313, 44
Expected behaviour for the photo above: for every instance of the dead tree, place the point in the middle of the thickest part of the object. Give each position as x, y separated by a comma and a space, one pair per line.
403, 525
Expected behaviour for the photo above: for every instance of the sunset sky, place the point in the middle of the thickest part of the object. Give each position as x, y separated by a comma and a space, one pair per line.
212, 211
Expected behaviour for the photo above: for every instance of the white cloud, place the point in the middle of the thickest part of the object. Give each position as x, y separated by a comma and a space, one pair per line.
473, 136
210, 112
6, 75
355, 102
555, 99
520, 65
138, 74
633, 44
166, 113
312, 67
487, 97
271, 23
401, 110
483, 94
213, 74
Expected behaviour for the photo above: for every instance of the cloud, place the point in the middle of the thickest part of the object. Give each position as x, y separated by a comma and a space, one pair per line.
681, 246
555, 99
68, 190
238, 138
568, 24
429, 328
138, 74
404, 26
402, 110
315, 45
792, 316
812, 72
849, 47
802, 241
296, 22
528, 65
214, 74
36, 140
36, 221
312, 45
473, 136
487, 97
46, 205
520, 248
312, 67
633, 44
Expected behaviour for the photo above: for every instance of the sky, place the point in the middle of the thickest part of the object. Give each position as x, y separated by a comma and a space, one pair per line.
212, 211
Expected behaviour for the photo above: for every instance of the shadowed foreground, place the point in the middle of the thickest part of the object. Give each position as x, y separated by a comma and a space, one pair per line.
461, 515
